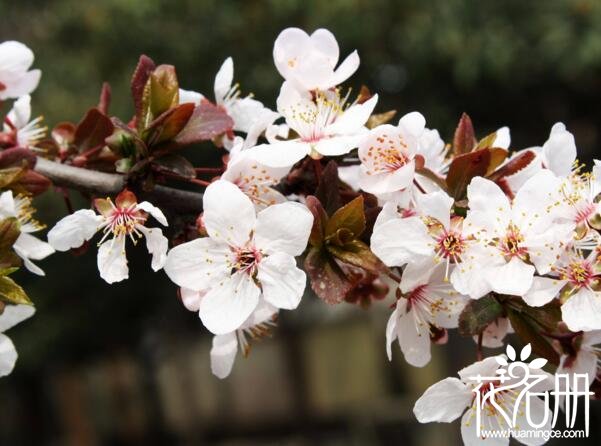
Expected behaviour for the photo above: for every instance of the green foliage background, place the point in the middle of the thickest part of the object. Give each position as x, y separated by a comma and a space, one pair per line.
510, 62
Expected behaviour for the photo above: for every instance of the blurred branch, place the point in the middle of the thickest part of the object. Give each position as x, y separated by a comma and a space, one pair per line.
101, 183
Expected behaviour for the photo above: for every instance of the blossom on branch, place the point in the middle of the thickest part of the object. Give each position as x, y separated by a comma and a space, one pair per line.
15, 79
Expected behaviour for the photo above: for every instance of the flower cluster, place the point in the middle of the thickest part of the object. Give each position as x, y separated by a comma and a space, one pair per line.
323, 192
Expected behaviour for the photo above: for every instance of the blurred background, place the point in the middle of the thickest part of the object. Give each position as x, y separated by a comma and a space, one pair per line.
127, 364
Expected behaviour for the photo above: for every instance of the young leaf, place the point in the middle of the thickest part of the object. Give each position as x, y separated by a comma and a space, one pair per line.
327, 279
176, 164
328, 192
320, 219
169, 124
358, 254
164, 89
529, 334
380, 118
514, 165
92, 130
465, 138
105, 98
12, 293
9, 233
207, 122
478, 314
464, 168
138, 81
350, 216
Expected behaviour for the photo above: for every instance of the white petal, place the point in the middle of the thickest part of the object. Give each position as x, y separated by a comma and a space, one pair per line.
262, 313
112, 262
346, 69
495, 333
7, 205
336, 145
199, 264
20, 114
154, 211
582, 311
443, 402
418, 273
384, 183
32, 247
188, 96
8, 355
437, 205
290, 44
503, 138
157, 245
515, 277
14, 314
413, 122
391, 328
31, 267
584, 363
559, 152
284, 228
486, 367
353, 118
469, 433
325, 42
489, 206
543, 291
228, 304
281, 154
223, 354
229, 215
191, 299
282, 282
73, 230
223, 79
399, 241
414, 339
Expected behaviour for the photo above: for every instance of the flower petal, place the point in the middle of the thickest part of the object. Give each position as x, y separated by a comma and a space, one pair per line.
154, 211
443, 402
396, 251
514, 278
199, 264
223, 354
284, 228
229, 303
191, 299
112, 262
8, 355
32, 247
414, 123
346, 69
281, 154
437, 205
157, 245
224, 79
282, 282
542, 291
229, 215
353, 118
73, 230
582, 311
15, 314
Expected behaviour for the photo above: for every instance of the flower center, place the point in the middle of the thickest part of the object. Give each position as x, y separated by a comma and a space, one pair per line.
450, 245
25, 211
123, 222
387, 155
247, 260
579, 273
510, 245
311, 122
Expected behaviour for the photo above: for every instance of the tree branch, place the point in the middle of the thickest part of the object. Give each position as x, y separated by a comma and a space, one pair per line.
101, 183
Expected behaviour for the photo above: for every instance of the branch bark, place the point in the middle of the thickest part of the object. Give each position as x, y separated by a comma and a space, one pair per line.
101, 183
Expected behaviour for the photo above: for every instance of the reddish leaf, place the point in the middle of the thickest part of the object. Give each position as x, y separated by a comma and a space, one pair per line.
479, 314
465, 138
138, 81
164, 90
17, 156
328, 280
464, 168
105, 98
92, 130
327, 191
63, 134
169, 124
515, 165
320, 219
176, 164
33, 182
530, 335
207, 122
358, 254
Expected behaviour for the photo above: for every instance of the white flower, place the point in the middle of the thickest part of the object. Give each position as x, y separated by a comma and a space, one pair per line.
10, 316
249, 115
387, 155
15, 80
324, 124
585, 359
448, 400
557, 154
425, 233
225, 346
254, 179
514, 239
123, 219
28, 133
429, 303
26, 246
245, 257
309, 62
575, 279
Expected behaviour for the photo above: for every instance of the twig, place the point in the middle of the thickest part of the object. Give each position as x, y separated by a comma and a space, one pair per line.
101, 183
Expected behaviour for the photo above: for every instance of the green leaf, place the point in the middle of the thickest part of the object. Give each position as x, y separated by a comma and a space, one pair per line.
327, 279
528, 334
465, 138
207, 122
328, 191
464, 168
350, 216
12, 293
320, 219
164, 89
486, 142
92, 130
478, 314
358, 254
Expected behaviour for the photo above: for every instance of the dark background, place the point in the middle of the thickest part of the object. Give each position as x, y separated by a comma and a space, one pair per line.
127, 364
